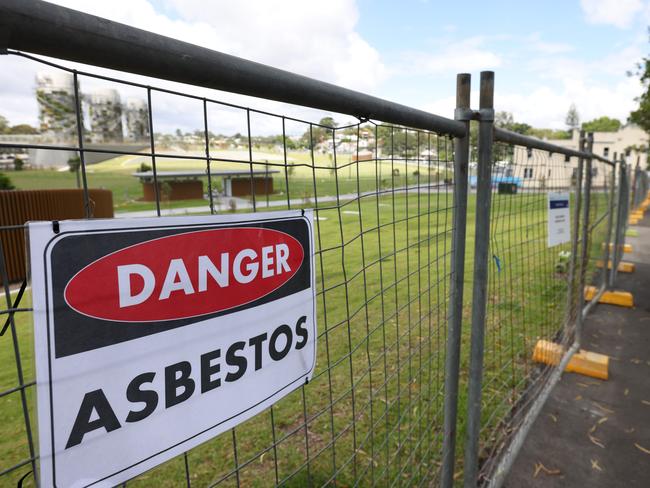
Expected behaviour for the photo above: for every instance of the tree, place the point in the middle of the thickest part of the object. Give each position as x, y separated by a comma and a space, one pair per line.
74, 164
318, 133
4, 124
641, 116
572, 119
505, 120
22, 129
602, 124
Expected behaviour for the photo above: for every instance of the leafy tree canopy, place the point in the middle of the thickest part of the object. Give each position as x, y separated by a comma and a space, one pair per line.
602, 124
572, 119
641, 116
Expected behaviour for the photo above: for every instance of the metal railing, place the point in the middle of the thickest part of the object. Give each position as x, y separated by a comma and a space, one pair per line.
410, 371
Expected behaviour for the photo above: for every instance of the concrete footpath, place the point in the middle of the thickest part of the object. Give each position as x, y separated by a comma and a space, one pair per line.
597, 433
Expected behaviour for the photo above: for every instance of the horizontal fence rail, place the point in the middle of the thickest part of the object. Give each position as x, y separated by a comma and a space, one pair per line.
416, 383
43, 28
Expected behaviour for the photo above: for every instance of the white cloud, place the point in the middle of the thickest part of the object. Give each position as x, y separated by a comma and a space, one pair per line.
450, 57
619, 13
295, 35
551, 83
545, 47
547, 107
298, 36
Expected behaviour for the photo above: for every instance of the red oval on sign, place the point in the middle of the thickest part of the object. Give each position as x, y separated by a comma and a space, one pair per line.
185, 275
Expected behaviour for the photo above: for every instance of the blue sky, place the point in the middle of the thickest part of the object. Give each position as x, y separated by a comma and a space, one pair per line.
546, 55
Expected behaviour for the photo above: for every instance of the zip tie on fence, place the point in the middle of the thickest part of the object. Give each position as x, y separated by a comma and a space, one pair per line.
497, 261
14, 306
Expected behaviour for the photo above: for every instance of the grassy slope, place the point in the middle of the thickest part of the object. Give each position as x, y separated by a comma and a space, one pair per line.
398, 328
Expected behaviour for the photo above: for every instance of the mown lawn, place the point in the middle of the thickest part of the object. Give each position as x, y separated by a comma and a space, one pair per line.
373, 411
116, 175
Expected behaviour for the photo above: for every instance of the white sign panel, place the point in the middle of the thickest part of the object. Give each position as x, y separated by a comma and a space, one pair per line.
155, 335
559, 221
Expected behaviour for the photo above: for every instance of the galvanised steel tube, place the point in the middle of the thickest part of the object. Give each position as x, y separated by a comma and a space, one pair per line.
625, 208
575, 237
50, 30
619, 223
584, 238
479, 297
610, 226
452, 359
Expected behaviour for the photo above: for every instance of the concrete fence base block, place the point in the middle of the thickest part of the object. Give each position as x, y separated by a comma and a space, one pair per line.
582, 362
623, 266
620, 298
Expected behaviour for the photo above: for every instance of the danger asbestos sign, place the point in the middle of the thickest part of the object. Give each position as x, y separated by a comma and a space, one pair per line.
155, 335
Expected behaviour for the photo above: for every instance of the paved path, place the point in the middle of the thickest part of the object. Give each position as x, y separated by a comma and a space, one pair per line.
615, 413
246, 204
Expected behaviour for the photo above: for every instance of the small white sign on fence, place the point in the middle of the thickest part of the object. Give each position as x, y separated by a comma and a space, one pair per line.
155, 335
559, 219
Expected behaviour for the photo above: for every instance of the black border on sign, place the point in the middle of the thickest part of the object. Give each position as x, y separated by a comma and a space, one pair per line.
47, 283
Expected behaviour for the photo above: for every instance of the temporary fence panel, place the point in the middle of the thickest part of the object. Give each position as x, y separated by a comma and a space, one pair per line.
373, 411
391, 193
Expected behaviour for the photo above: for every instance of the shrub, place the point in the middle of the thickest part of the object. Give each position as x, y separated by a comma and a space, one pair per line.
5, 183
18, 164
144, 167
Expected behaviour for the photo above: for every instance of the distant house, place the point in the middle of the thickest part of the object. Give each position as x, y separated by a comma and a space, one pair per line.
535, 169
630, 141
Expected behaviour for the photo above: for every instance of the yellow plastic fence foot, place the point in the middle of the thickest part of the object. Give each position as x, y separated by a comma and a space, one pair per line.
633, 221
620, 298
626, 247
583, 362
623, 266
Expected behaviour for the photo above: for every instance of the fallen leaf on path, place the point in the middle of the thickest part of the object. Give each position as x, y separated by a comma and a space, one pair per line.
596, 441
604, 409
595, 465
645, 402
553, 417
540, 467
627, 390
640, 448
595, 426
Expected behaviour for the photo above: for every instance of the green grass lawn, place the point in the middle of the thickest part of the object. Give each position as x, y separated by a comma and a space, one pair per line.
297, 182
373, 411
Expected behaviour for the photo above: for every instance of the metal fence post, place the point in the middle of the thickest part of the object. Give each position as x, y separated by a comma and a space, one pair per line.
452, 359
479, 297
576, 235
619, 223
584, 237
610, 227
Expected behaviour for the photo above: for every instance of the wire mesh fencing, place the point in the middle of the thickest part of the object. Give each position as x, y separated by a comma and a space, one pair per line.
382, 195
527, 289
640, 187
388, 200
